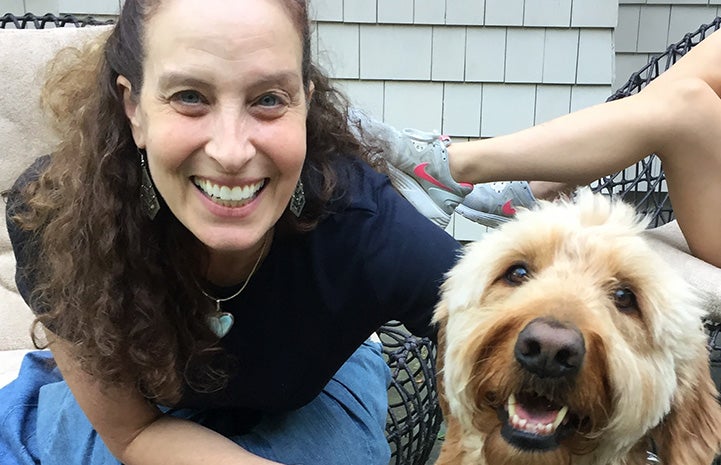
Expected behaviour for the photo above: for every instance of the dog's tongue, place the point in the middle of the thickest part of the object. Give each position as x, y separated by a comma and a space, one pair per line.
535, 409
536, 413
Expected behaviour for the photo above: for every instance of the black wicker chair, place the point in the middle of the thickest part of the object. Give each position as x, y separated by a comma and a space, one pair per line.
414, 415
31, 21
643, 185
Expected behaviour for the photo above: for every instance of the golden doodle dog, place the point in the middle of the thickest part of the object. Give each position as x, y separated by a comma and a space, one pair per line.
564, 339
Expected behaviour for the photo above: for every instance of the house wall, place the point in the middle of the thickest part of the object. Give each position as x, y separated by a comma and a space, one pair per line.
469, 68
646, 27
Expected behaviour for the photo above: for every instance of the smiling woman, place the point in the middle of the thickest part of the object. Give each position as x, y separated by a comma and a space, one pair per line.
226, 205
240, 104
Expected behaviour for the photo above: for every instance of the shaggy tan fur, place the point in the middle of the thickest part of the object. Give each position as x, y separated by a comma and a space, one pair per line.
643, 378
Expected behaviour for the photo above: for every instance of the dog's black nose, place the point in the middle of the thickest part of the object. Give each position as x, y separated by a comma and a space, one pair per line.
550, 349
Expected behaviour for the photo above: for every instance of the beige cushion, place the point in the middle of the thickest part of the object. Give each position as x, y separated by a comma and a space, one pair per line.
670, 243
23, 137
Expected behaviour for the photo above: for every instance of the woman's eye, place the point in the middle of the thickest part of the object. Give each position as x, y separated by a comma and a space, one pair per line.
269, 100
189, 97
625, 300
517, 274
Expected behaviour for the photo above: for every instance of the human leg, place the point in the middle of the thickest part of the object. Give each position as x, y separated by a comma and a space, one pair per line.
67, 435
678, 119
691, 158
344, 425
19, 441
489, 204
573, 149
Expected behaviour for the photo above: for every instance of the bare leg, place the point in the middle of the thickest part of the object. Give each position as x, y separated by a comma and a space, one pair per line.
574, 149
546, 190
679, 119
692, 161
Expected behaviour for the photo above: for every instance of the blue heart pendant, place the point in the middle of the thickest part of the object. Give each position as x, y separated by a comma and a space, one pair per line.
220, 323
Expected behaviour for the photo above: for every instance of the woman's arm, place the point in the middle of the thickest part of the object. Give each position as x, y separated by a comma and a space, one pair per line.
136, 432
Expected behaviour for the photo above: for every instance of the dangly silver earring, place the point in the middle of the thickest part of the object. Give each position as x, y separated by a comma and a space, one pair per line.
297, 201
148, 196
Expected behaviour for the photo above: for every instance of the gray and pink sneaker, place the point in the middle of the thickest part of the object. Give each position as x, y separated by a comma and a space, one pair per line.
417, 166
494, 203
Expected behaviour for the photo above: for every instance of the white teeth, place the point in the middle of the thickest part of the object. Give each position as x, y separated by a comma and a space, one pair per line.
518, 421
226, 193
536, 428
560, 416
523, 424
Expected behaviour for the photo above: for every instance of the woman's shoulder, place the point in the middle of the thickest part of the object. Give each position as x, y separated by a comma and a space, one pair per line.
25, 243
30, 175
374, 209
365, 187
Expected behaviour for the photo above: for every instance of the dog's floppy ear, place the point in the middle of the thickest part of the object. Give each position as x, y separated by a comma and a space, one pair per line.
440, 318
691, 433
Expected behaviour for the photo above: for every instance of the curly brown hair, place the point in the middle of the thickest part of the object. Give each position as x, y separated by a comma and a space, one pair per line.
107, 278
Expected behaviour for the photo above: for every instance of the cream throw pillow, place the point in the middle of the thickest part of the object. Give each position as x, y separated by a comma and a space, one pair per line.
24, 136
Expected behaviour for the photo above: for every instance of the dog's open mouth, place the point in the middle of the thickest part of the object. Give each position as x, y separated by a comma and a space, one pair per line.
534, 422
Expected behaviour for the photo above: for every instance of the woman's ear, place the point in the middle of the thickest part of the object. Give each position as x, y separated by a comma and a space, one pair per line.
132, 110
309, 94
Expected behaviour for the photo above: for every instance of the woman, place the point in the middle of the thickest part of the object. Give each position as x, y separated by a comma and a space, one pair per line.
207, 247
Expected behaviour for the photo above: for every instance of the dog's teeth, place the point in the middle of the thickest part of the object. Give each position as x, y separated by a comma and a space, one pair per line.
560, 416
511, 406
524, 424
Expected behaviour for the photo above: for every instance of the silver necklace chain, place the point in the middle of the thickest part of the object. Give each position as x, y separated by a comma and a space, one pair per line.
242, 288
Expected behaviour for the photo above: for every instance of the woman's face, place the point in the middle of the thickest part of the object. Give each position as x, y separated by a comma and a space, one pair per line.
221, 115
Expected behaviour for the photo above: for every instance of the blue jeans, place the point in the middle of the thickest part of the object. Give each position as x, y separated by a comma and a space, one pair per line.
345, 424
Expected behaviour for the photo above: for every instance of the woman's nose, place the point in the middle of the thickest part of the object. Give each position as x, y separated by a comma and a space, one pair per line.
231, 140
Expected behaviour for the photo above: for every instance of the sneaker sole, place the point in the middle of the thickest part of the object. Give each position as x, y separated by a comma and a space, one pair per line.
486, 219
414, 193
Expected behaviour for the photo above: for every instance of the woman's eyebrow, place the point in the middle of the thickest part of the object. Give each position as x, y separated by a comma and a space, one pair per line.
284, 78
280, 77
173, 78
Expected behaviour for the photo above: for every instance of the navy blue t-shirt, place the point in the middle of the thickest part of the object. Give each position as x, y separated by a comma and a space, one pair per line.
318, 295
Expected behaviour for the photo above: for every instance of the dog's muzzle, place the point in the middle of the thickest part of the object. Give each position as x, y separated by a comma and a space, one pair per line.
550, 354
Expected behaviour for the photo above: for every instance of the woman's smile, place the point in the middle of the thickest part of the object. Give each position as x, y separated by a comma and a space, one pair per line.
231, 196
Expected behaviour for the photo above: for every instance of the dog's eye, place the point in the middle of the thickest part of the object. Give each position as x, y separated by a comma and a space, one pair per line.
625, 300
517, 274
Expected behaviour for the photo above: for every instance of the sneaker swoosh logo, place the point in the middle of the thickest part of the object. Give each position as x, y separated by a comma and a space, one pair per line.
420, 171
508, 209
